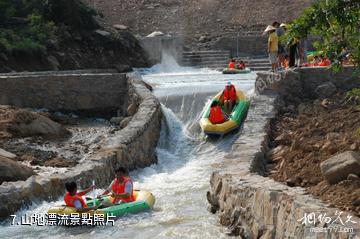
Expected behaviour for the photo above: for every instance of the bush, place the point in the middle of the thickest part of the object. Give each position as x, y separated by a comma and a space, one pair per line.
336, 22
28, 47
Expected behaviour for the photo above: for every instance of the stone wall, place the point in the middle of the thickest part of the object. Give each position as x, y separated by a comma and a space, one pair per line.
83, 93
254, 206
248, 45
133, 147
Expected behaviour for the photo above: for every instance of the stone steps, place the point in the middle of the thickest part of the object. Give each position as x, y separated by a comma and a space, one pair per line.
212, 59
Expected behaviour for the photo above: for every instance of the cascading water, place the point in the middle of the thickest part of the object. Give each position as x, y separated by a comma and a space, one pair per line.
179, 181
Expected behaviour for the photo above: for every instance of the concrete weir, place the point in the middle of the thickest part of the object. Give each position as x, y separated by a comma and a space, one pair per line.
254, 206
133, 146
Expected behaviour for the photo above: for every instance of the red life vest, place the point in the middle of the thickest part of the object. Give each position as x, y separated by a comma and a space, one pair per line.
216, 116
230, 94
231, 65
69, 200
324, 62
119, 188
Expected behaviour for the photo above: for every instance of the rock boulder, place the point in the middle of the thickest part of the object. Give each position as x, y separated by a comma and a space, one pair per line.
28, 124
325, 90
338, 167
13, 171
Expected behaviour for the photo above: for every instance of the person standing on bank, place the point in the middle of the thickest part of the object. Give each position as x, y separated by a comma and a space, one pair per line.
273, 42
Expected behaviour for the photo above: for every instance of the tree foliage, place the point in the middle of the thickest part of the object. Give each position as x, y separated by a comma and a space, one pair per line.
337, 22
26, 25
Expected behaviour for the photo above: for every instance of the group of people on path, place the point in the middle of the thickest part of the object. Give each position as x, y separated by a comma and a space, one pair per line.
120, 191
294, 54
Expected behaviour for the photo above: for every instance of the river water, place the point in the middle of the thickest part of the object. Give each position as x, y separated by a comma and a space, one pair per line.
186, 159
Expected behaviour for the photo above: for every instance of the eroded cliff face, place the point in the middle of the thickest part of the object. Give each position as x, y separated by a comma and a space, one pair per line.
199, 22
63, 35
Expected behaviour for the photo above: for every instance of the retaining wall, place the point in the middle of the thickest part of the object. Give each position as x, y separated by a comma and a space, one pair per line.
84, 93
133, 147
254, 206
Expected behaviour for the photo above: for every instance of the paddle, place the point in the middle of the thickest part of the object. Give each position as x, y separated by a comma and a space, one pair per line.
94, 195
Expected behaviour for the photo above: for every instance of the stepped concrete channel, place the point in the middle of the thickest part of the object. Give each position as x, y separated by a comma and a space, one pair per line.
93, 93
253, 206
219, 59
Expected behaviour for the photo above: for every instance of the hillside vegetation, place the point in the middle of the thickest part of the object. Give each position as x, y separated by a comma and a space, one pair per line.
60, 34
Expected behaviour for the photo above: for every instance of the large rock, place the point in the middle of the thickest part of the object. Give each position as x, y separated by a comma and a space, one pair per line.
27, 124
155, 34
325, 90
7, 154
338, 167
13, 171
41, 126
120, 27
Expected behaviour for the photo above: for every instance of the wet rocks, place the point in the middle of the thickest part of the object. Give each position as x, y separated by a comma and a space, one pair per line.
338, 167
13, 171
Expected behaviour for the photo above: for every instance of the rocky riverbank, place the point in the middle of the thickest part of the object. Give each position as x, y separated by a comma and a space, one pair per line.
303, 137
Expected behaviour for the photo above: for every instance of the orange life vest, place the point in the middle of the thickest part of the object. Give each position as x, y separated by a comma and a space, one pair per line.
119, 188
324, 62
216, 116
230, 94
231, 65
69, 200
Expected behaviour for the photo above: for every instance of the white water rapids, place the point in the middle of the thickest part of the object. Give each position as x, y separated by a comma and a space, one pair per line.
186, 159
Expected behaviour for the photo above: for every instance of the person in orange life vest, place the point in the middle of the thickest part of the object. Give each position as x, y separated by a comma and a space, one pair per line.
231, 64
286, 61
74, 199
121, 188
216, 116
324, 61
229, 97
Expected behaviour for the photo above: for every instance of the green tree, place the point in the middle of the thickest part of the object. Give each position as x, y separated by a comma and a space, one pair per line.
337, 22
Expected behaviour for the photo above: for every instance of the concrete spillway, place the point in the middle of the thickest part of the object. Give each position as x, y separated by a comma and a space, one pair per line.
186, 159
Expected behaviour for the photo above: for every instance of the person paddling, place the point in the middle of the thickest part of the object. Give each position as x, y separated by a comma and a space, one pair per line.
232, 64
121, 188
229, 97
74, 199
216, 115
